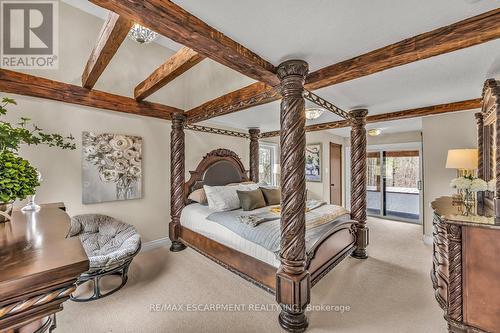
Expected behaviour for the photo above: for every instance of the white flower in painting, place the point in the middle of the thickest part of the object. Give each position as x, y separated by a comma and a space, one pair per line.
136, 161
478, 185
104, 147
117, 154
108, 175
130, 154
492, 185
89, 138
120, 142
138, 145
135, 171
461, 183
121, 165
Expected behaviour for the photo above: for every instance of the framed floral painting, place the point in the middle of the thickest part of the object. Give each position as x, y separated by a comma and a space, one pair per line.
111, 167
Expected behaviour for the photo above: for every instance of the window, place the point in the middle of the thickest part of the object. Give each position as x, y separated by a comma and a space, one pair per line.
268, 163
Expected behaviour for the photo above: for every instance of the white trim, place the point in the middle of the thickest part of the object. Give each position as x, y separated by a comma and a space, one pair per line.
148, 246
427, 240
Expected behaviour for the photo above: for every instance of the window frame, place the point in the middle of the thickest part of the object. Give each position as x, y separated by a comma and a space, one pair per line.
274, 159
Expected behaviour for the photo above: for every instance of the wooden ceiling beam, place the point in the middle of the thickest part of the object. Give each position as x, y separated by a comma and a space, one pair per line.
34, 86
253, 95
176, 65
112, 35
463, 34
171, 21
472, 31
398, 115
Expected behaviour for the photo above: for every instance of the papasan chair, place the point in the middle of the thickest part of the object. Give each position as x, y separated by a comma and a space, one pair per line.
110, 245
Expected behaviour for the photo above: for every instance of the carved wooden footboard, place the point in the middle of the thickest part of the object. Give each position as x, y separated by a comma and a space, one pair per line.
332, 250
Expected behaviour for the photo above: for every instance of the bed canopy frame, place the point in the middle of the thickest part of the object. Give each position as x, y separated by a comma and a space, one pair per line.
292, 282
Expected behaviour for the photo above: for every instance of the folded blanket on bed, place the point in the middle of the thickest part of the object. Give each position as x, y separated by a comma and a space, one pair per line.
249, 225
256, 219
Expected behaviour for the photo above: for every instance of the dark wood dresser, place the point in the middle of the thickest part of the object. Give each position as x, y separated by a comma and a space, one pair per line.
38, 268
466, 269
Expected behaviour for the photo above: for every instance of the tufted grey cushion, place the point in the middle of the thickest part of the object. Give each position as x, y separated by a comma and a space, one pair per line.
106, 240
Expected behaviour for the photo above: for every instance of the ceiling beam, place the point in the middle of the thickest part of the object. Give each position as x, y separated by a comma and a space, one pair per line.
176, 65
34, 86
255, 94
472, 31
398, 115
171, 21
112, 35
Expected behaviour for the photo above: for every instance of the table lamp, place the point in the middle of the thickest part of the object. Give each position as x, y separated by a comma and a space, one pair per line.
464, 160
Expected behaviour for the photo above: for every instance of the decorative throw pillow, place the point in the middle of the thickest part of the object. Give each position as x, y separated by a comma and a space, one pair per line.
250, 200
271, 195
222, 198
199, 196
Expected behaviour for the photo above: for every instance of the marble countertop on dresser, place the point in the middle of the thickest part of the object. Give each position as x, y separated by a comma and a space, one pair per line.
483, 217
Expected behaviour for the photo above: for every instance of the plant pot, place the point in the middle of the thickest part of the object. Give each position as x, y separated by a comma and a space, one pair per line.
6, 211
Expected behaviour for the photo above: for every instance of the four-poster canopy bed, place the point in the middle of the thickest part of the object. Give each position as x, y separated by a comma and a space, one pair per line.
298, 270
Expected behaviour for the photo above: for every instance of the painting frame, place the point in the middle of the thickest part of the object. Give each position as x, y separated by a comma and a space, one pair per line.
314, 162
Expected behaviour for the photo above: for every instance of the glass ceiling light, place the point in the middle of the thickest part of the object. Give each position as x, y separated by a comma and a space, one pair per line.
313, 113
142, 35
375, 132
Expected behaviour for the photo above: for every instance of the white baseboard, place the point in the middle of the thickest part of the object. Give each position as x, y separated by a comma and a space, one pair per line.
427, 240
148, 246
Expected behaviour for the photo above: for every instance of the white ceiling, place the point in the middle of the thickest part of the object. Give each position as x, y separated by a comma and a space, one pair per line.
449, 78
324, 32
103, 13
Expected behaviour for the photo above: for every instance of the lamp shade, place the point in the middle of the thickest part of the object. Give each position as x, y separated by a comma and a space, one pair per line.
463, 159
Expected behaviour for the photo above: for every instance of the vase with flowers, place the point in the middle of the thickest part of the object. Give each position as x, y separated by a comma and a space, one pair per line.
18, 178
467, 187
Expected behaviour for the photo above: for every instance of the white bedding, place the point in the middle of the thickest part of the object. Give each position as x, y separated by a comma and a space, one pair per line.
194, 217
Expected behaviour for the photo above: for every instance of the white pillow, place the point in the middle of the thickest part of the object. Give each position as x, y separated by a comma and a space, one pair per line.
222, 198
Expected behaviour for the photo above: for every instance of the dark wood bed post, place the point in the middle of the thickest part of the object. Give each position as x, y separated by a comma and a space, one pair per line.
358, 180
177, 169
480, 151
292, 279
480, 145
495, 96
254, 154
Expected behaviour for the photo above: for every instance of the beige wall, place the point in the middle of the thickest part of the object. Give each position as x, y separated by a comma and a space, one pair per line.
402, 137
441, 133
62, 169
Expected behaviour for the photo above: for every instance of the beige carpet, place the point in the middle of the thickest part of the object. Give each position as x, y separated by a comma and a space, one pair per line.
389, 292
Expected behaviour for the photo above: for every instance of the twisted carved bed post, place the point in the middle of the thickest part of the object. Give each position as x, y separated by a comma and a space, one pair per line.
292, 279
480, 151
177, 167
480, 146
358, 180
254, 154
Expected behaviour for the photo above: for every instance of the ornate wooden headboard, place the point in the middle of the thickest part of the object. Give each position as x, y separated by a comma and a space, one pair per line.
488, 135
218, 167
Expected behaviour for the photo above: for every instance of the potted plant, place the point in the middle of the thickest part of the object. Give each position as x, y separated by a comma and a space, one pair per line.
18, 178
